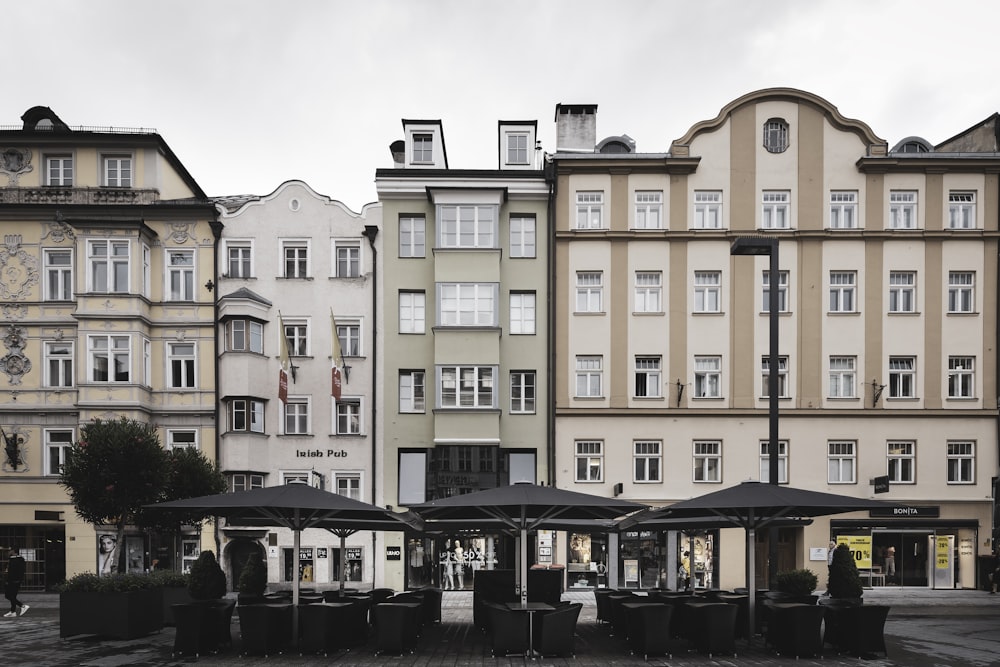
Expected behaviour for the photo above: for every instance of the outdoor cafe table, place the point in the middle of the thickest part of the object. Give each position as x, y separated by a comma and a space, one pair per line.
530, 608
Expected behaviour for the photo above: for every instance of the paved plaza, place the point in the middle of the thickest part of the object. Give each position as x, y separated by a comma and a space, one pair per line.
924, 629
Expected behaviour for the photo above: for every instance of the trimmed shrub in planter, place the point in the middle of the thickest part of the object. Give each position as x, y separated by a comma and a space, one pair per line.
207, 581
843, 581
121, 606
798, 584
253, 581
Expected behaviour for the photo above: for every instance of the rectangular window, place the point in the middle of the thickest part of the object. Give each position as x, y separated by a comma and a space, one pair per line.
707, 461
648, 291
782, 292
467, 226
411, 391
708, 377
118, 171
522, 236
961, 462
147, 263
517, 148
765, 461
296, 337
589, 210
843, 209
423, 148
347, 484
57, 446
181, 360
842, 291
589, 461
707, 290
109, 266
961, 291
902, 377
589, 291
648, 209
180, 275
245, 336
296, 415
646, 461
588, 376
522, 392
59, 364
901, 462
522, 312
245, 482
647, 377
902, 289
349, 334
179, 439
467, 387
110, 358
411, 312
58, 275
961, 377
246, 414
295, 259
961, 210
842, 377
840, 462
347, 259
239, 259
707, 209
775, 211
467, 304
765, 377
59, 171
903, 209
412, 236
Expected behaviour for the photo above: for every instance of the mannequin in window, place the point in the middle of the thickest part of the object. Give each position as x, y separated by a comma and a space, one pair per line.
458, 554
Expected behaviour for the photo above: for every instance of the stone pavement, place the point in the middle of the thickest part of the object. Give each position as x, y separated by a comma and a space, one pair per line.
925, 629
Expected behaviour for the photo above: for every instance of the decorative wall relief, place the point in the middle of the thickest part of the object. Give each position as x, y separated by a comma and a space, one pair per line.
14, 458
180, 232
58, 230
14, 311
18, 269
14, 363
14, 162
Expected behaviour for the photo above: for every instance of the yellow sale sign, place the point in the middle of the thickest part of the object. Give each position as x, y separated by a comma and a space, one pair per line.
861, 549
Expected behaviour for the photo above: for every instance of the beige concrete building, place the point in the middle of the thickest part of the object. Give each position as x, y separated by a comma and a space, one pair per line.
107, 275
887, 332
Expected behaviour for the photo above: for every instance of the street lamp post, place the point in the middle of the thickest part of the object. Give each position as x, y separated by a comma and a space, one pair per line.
765, 245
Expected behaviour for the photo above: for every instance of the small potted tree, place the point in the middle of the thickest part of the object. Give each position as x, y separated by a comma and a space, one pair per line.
797, 585
206, 581
204, 624
843, 583
253, 581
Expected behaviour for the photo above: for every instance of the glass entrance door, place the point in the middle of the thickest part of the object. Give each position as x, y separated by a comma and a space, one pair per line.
902, 555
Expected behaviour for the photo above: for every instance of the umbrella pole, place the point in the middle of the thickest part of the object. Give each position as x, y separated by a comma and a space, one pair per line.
343, 562
524, 566
751, 582
296, 543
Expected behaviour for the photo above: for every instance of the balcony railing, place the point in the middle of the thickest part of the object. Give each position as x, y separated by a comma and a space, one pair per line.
78, 196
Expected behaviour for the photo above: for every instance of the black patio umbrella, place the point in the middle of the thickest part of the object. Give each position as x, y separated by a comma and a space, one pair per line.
296, 506
753, 505
521, 507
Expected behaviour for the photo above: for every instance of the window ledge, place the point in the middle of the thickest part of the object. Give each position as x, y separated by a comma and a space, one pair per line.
708, 398
588, 398
653, 399
963, 399
781, 313
963, 313
589, 313
843, 313
901, 399
648, 313
903, 313
293, 278
707, 312
844, 399
467, 410
295, 435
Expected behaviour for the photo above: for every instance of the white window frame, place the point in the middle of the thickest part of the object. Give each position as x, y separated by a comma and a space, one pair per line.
706, 455
776, 209
298, 336
523, 236
708, 209
841, 461
296, 415
182, 366
117, 170
467, 387
295, 258
648, 376
178, 438
59, 363
647, 461
252, 411
843, 209
58, 276
58, 442
843, 291
961, 462
765, 461
412, 236
105, 271
239, 255
902, 291
648, 209
517, 148
902, 377
422, 147
961, 209
783, 301
59, 170
707, 376
649, 291
589, 291
707, 292
589, 376
467, 226
412, 312
590, 209
589, 458
765, 376
467, 304
843, 377
902, 209
351, 336
348, 483
961, 377
523, 392
961, 291
412, 391
244, 481
346, 255
179, 280
901, 461
147, 269
247, 331
522, 313
112, 353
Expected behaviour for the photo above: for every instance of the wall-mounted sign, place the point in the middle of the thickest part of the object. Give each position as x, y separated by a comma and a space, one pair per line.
861, 549
393, 553
320, 552
906, 511
881, 484
305, 554
319, 453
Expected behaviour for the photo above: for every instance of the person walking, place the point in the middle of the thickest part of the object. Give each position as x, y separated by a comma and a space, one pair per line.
995, 573
890, 562
15, 577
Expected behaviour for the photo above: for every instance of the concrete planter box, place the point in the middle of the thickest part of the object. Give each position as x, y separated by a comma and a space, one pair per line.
124, 615
172, 596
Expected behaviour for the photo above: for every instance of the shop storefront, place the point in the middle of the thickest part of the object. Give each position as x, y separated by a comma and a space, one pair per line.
671, 560
451, 562
587, 560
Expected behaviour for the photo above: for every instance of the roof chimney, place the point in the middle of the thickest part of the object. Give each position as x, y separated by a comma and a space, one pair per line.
576, 128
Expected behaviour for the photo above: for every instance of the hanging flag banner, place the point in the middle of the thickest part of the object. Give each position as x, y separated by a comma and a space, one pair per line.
337, 359
284, 361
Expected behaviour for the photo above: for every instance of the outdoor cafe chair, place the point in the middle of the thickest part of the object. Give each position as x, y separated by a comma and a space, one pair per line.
795, 629
649, 631
194, 634
556, 631
265, 628
508, 630
395, 627
713, 627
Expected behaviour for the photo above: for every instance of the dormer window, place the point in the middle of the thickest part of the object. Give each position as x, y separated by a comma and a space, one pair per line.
423, 147
517, 148
776, 136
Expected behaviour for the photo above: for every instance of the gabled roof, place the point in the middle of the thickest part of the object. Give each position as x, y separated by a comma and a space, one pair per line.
244, 293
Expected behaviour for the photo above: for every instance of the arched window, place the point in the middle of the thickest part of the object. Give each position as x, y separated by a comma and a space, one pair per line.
776, 135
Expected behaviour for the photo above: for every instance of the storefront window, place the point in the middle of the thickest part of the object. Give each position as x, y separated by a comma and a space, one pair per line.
642, 563
696, 560
587, 561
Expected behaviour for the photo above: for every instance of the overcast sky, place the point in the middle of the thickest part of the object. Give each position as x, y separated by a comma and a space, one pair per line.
251, 93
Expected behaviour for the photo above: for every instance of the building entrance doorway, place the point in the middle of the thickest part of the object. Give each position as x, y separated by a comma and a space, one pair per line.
902, 555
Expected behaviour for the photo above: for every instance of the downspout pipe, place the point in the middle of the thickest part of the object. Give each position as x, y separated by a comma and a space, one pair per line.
217, 227
550, 442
